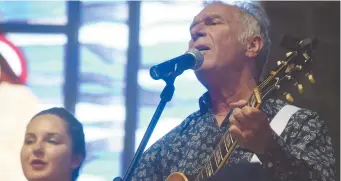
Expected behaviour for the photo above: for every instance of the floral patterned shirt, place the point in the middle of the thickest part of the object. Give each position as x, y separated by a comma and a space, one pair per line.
303, 151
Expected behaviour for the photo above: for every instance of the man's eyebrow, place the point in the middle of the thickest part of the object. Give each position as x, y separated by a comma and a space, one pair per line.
211, 16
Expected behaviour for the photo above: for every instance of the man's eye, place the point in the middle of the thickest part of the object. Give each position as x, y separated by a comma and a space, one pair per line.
214, 22
211, 22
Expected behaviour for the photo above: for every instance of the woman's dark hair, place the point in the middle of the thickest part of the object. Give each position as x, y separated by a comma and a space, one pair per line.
75, 131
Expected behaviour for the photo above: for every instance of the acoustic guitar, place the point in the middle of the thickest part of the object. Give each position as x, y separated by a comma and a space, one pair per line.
297, 63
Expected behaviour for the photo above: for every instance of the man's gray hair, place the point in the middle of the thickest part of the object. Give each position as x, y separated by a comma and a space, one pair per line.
255, 22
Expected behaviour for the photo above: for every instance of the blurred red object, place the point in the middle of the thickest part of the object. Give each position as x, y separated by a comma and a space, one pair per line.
13, 66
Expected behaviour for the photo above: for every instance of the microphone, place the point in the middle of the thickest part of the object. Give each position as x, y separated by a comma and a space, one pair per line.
192, 59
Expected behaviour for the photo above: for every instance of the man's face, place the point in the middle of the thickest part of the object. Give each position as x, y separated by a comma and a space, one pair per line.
215, 32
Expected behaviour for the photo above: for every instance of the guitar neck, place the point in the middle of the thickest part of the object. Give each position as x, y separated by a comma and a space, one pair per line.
225, 147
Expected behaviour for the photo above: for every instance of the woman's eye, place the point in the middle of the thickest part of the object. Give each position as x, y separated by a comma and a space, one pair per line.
27, 142
53, 141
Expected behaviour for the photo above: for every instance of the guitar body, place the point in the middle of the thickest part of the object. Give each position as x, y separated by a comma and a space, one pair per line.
177, 176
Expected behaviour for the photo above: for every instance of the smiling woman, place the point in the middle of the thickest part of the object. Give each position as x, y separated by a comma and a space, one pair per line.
54, 146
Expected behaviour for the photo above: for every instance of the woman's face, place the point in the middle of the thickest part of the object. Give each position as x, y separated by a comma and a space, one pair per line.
47, 150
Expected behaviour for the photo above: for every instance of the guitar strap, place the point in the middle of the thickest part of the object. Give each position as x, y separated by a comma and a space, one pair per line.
279, 122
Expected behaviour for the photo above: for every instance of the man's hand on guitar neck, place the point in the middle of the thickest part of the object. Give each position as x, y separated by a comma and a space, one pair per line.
250, 126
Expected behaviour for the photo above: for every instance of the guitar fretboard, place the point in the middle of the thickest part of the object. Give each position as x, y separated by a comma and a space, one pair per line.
216, 161
222, 151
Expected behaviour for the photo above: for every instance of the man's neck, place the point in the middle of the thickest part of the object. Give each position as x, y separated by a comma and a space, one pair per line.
233, 90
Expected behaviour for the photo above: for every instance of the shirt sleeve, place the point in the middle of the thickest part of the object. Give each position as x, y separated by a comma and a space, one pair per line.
303, 152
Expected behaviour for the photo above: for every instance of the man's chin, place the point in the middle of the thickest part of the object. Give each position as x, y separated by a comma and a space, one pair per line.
205, 76
204, 69
200, 72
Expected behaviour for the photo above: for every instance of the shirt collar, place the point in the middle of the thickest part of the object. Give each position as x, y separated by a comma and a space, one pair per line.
205, 104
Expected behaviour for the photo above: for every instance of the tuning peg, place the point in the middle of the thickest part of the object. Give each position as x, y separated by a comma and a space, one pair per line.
306, 56
311, 78
280, 62
299, 87
288, 97
288, 54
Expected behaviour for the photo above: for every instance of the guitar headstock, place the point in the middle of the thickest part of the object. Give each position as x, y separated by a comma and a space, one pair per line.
297, 64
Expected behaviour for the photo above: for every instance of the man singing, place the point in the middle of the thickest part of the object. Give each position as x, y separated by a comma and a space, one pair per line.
235, 43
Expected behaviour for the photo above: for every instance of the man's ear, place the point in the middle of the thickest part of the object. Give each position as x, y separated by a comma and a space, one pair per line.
77, 160
254, 46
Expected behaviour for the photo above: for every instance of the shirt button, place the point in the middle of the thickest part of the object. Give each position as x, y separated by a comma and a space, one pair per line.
270, 164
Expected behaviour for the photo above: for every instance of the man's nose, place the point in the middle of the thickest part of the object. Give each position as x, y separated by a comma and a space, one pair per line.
198, 32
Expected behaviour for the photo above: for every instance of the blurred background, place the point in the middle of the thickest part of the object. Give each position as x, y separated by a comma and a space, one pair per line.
93, 58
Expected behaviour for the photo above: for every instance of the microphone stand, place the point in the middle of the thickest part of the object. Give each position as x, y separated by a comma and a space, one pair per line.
166, 95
